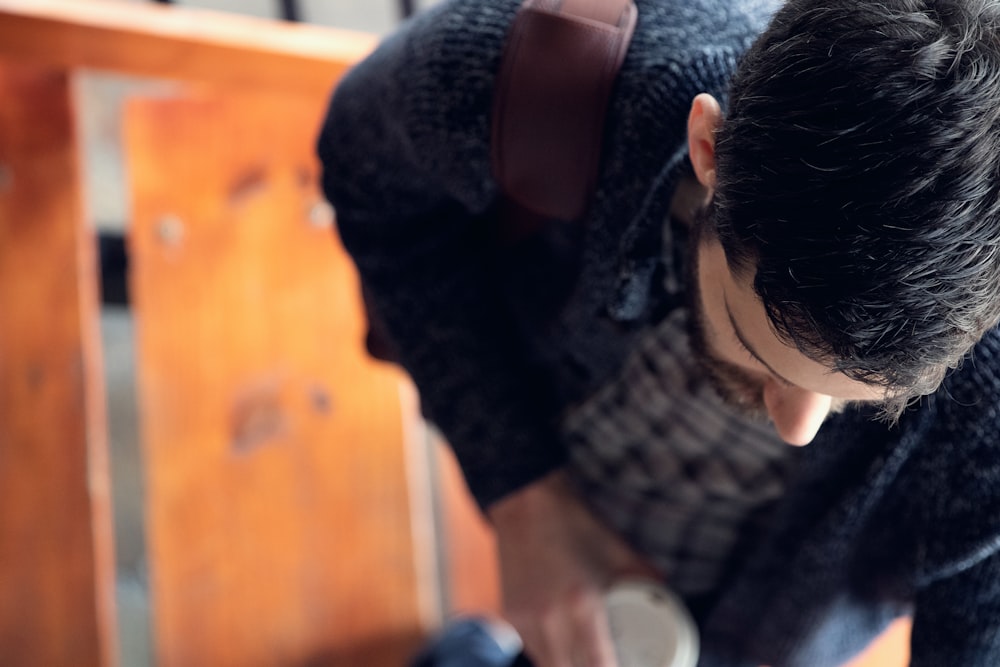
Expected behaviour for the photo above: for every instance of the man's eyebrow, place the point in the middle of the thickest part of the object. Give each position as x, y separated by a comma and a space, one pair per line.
749, 348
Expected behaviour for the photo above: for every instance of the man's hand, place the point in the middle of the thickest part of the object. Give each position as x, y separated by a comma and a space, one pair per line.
556, 563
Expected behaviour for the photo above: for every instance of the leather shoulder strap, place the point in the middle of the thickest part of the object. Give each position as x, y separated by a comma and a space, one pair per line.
559, 65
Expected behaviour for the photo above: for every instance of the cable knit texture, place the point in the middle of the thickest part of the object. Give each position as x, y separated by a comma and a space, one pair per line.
878, 522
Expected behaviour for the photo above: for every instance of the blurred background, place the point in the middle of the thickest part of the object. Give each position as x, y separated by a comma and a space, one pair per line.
100, 106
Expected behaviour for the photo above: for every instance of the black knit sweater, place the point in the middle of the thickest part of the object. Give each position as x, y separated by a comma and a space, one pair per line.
878, 522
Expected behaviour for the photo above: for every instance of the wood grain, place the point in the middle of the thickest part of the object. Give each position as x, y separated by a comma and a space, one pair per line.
279, 516
193, 45
56, 569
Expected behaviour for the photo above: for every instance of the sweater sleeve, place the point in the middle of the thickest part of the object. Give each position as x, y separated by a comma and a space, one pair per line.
957, 619
405, 153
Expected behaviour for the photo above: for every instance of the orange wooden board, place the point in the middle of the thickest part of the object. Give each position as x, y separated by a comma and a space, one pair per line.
145, 39
56, 569
279, 516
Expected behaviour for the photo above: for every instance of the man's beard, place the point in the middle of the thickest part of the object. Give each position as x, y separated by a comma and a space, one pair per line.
737, 388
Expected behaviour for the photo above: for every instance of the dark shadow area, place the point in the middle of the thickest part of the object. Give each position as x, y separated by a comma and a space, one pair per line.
114, 269
387, 651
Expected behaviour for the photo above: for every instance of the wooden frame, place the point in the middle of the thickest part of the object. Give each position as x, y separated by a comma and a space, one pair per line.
186, 44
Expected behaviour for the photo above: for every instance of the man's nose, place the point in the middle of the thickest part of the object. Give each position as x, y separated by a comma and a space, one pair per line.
796, 413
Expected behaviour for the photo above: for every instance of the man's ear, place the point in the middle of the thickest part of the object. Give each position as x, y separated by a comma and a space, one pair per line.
704, 119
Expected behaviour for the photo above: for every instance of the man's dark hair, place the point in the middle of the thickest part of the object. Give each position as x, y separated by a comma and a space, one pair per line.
859, 183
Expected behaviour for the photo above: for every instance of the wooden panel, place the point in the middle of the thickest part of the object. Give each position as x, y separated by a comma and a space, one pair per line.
473, 571
277, 486
892, 649
178, 43
56, 570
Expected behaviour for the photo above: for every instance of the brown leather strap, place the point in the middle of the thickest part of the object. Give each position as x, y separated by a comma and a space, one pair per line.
555, 81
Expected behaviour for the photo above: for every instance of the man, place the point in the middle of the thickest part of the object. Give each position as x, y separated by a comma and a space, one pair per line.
812, 237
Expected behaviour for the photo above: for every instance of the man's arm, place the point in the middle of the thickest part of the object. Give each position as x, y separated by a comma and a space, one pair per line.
406, 157
557, 562
405, 150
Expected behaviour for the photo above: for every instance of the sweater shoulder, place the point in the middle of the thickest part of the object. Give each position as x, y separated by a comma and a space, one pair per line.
954, 480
